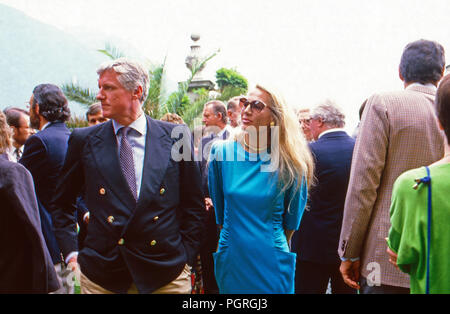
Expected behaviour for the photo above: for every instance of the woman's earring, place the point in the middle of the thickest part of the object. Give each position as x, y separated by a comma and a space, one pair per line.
272, 123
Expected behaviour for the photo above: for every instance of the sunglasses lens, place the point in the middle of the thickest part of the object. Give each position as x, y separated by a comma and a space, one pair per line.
254, 105
257, 105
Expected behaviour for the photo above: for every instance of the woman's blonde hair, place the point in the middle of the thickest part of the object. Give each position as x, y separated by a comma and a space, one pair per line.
173, 118
5, 134
292, 155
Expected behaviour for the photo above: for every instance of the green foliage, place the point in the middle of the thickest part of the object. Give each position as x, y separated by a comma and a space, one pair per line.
174, 103
151, 105
111, 51
79, 94
76, 122
230, 91
196, 108
226, 77
230, 82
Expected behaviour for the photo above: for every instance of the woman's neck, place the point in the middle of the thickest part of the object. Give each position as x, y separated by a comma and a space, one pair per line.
249, 143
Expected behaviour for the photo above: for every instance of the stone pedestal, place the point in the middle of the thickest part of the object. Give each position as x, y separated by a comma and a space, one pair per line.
192, 60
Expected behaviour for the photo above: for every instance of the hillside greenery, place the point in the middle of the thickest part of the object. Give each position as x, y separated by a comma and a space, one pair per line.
230, 83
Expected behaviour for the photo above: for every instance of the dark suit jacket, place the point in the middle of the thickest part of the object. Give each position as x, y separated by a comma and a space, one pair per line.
147, 243
43, 156
25, 263
318, 236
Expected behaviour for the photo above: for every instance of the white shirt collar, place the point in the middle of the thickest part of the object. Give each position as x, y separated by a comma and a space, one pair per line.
330, 131
429, 85
45, 126
140, 125
226, 128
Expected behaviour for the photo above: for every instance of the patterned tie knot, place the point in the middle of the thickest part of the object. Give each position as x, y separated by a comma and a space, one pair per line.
125, 131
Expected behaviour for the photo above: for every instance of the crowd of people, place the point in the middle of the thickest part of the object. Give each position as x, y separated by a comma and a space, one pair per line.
266, 200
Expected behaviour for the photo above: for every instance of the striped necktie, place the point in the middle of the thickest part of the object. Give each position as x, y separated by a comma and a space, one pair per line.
18, 153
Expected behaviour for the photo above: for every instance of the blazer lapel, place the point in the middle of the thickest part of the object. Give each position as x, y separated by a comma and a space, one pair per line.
158, 146
105, 151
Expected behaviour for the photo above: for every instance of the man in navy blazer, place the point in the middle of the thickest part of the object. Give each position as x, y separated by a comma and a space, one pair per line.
316, 241
44, 153
146, 203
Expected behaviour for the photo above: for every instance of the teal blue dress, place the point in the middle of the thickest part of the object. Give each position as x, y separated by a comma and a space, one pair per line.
253, 254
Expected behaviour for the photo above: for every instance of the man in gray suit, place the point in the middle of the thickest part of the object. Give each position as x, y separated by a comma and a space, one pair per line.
398, 132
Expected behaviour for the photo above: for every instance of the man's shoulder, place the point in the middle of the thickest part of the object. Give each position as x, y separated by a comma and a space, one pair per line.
388, 98
166, 128
56, 131
90, 130
338, 137
208, 138
10, 170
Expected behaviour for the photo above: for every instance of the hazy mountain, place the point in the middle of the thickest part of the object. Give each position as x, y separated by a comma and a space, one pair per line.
32, 52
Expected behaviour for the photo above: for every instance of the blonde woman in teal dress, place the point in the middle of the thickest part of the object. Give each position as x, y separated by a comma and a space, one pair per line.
408, 243
258, 182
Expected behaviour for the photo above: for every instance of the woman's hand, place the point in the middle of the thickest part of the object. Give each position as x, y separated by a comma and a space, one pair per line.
392, 257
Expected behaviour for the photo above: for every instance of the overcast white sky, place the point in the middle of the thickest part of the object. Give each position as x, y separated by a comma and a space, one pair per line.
344, 50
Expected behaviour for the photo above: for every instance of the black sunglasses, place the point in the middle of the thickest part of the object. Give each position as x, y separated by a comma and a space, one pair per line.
254, 105
305, 121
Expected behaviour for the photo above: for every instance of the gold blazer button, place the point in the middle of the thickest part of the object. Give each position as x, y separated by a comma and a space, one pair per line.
162, 191
121, 241
153, 243
102, 191
155, 218
110, 219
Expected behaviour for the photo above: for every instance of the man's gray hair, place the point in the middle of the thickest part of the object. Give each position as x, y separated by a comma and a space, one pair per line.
330, 113
93, 109
218, 107
131, 74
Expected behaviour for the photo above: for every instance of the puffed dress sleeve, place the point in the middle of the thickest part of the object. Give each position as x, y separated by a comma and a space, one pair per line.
404, 236
295, 203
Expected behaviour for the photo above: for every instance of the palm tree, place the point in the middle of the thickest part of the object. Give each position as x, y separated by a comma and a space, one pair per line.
79, 94
154, 105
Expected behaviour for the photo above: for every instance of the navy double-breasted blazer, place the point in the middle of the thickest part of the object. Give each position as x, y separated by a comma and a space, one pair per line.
147, 242
318, 235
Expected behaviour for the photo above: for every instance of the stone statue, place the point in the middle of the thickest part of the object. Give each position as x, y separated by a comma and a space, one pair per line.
195, 58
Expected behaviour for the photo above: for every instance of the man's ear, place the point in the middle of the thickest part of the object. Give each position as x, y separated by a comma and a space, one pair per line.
400, 75
36, 108
440, 125
137, 94
320, 122
14, 128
